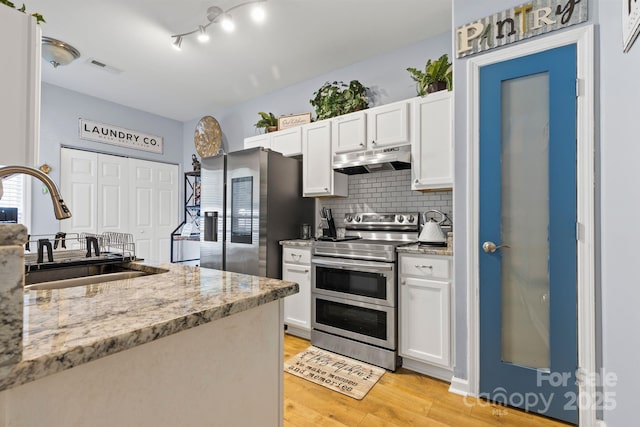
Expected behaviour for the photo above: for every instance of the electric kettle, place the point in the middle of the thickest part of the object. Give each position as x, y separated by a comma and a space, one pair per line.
431, 233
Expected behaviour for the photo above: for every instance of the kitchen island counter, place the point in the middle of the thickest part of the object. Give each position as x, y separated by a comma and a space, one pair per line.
67, 327
191, 346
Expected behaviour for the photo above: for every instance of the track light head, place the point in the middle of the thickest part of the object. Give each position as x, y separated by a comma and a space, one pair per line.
258, 13
203, 37
177, 44
227, 23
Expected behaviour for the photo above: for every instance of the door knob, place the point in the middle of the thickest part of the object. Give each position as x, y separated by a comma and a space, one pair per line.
491, 247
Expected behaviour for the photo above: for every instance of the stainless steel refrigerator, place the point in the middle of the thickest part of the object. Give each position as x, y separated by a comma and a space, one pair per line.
250, 200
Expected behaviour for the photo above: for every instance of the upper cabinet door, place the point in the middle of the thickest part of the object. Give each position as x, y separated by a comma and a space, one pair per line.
432, 149
288, 141
318, 177
349, 132
263, 140
388, 125
20, 88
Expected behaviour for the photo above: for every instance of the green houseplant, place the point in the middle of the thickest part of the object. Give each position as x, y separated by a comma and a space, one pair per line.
267, 121
23, 9
437, 75
337, 98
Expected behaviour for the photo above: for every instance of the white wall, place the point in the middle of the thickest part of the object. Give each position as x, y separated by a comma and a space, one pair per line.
384, 74
60, 111
620, 201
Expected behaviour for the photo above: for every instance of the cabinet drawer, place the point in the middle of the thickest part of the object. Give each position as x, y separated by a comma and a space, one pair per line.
295, 255
423, 266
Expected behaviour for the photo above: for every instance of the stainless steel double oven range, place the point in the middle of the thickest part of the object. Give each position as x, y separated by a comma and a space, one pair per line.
354, 298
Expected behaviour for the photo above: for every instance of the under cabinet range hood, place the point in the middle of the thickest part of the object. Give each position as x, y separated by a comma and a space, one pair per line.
368, 161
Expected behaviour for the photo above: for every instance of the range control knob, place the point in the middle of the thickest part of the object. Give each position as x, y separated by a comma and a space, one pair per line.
400, 218
348, 218
410, 218
358, 219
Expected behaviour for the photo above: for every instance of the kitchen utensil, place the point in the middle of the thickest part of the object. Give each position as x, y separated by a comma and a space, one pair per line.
431, 233
305, 231
332, 224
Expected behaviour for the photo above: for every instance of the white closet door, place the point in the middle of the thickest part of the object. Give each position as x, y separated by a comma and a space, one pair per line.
113, 191
167, 218
141, 205
79, 185
153, 202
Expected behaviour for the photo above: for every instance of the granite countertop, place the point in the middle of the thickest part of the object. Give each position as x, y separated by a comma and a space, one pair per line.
67, 327
297, 242
415, 248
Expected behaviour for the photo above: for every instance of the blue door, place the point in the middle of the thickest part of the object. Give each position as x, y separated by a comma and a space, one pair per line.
527, 217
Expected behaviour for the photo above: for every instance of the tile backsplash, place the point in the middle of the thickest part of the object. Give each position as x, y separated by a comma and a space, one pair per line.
386, 192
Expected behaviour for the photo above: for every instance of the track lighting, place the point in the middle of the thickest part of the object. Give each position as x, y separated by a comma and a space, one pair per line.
215, 15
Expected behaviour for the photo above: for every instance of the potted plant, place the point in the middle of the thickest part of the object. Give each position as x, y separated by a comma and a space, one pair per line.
337, 98
23, 9
267, 121
437, 75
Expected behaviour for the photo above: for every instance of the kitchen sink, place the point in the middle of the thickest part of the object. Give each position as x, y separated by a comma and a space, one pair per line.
80, 275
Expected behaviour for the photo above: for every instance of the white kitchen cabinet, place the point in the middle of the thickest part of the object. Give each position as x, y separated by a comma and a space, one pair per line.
296, 267
20, 88
388, 125
425, 289
318, 176
287, 141
432, 148
349, 132
263, 140
378, 127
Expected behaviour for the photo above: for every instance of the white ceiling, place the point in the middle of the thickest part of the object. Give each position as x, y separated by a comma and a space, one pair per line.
300, 39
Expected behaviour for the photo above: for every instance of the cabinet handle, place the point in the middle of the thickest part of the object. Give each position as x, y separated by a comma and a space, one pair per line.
403, 282
417, 181
299, 270
326, 189
373, 143
361, 144
299, 256
430, 267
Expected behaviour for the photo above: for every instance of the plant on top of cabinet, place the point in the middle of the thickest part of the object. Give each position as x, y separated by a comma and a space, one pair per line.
23, 9
437, 76
267, 121
338, 98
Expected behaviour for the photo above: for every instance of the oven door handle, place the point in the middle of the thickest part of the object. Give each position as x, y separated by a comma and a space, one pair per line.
337, 264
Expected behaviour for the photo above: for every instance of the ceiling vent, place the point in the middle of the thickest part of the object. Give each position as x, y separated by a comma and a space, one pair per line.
101, 65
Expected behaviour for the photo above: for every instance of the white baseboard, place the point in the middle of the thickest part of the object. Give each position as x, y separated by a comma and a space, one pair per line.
426, 369
298, 332
459, 386
600, 423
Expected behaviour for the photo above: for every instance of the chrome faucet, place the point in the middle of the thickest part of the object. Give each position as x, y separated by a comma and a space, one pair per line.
59, 208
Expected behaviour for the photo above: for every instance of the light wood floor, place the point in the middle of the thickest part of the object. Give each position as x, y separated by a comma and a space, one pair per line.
401, 398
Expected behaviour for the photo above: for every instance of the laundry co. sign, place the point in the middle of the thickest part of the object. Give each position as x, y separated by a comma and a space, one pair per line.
100, 132
519, 23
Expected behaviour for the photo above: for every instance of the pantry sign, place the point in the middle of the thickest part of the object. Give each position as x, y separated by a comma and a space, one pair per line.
108, 134
519, 23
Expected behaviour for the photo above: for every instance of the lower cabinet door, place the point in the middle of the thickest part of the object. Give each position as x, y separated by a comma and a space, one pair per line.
297, 307
425, 320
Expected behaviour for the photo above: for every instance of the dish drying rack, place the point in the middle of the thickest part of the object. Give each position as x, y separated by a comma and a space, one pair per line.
72, 247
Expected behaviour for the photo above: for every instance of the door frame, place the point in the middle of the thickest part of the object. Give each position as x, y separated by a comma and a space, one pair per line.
583, 38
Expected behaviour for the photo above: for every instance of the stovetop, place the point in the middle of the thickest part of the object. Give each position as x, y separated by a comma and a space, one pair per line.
371, 236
